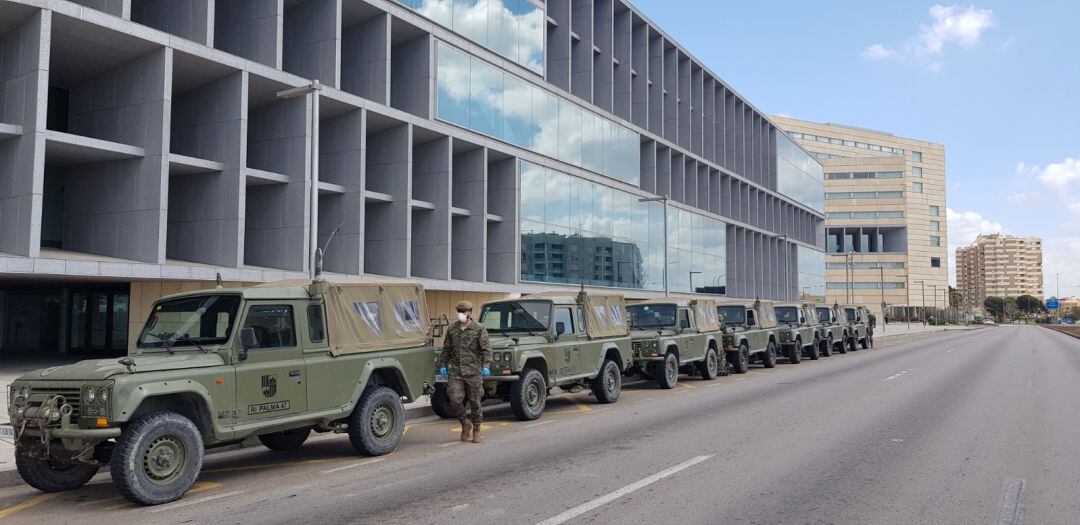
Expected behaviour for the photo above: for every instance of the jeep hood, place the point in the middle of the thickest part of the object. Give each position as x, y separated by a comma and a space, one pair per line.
505, 342
98, 369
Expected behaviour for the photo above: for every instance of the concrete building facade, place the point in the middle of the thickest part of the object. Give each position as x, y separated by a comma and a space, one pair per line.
887, 238
999, 266
148, 146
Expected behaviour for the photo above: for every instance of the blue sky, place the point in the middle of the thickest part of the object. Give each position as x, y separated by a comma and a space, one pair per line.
998, 83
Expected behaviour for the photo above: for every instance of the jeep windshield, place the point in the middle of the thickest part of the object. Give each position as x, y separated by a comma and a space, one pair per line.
190, 321
517, 316
652, 315
851, 316
787, 314
733, 315
824, 314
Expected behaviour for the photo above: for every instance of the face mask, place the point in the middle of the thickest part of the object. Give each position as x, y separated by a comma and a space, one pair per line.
462, 316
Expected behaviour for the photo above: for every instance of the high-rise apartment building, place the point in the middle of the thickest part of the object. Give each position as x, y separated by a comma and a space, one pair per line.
885, 219
480, 147
999, 266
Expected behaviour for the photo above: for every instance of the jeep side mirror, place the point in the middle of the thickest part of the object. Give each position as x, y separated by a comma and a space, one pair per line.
247, 342
560, 328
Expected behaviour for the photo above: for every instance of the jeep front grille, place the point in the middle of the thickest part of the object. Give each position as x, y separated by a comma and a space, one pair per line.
73, 397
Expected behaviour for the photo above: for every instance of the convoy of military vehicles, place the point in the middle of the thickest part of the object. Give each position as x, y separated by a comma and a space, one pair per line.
282, 360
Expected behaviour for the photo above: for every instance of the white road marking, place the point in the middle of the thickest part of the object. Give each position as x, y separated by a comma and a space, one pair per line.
612, 496
1012, 503
166, 508
648, 398
897, 441
353, 465
951, 350
714, 384
894, 376
452, 443
544, 422
741, 378
456, 508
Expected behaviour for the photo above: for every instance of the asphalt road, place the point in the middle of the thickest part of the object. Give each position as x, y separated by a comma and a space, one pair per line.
955, 427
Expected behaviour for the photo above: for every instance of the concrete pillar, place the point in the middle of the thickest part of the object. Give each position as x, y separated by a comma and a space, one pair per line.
469, 224
502, 235
411, 76
431, 226
312, 40
24, 82
341, 162
365, 59
388, 222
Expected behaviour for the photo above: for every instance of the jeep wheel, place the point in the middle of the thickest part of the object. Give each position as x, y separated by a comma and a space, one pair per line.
607, 385
157, 458
709, 368
740, 359
440, 401
852, 347
53, 476
795, 356
378, 421
865, 342
667, 372
815, 350
768, 358
529, 395
841, 346
285, 440
828, 348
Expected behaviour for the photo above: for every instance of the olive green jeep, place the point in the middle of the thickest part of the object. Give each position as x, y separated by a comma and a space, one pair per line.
858, 318
673, 335
839, 333
799, 331
215, 367
749, 333
547, 340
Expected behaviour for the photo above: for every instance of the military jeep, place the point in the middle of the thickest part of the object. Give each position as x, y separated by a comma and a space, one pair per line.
673, 335
858, 318
749, 333
215, 367
547, 340
799, 331
838, 331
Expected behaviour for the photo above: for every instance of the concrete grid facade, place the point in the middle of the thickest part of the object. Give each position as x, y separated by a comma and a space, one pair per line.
157, 141
999, 266
885, 206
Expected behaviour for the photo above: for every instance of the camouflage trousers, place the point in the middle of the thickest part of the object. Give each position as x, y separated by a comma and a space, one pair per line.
462, 390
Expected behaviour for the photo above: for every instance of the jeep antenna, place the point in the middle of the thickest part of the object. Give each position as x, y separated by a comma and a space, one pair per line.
321, 252
581, 294
218, 279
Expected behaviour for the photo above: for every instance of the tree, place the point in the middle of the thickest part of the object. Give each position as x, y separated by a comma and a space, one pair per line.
1030, 304
955, 297
1073, 312
996, 306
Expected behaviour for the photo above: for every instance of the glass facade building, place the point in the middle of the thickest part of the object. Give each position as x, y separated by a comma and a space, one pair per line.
512, 28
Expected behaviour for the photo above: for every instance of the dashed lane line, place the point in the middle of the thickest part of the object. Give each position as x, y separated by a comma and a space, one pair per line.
196, 501
1012, 503
612, 496
896, 375
354, 465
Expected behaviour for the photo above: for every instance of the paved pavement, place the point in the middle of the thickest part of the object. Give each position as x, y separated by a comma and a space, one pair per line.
944, 427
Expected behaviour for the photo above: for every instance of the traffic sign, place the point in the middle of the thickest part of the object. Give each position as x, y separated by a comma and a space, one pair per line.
1053, 303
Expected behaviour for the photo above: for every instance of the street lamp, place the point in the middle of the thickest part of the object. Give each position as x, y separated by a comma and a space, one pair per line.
881, 284
313, 89
663, 199
922, 287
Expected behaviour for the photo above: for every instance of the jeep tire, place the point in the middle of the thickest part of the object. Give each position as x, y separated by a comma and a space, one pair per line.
841, 346
667, 371
768, 357
865, 342
795, 356
815, 350
440, 401
157, 458
852, 347
740, 359
286, 439
529, 395
607, 385
53, 476
709, 367
378, 421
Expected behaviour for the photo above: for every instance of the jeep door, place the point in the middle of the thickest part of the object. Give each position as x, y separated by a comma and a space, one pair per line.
567, 347
691, 344
270, 382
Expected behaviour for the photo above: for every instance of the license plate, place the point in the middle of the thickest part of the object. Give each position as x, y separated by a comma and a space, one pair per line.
7, 432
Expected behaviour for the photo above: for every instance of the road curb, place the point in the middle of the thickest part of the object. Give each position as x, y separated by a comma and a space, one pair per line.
10, 478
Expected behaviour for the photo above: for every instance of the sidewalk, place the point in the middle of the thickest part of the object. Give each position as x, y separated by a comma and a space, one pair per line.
898, 329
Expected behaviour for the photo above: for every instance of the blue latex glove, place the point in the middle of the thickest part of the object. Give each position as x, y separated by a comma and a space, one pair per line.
485, 372
442, 372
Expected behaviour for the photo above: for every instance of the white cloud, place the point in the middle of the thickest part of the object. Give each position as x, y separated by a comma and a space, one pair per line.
877, 52
964, 227
1061, 175
950, 25
1061, 255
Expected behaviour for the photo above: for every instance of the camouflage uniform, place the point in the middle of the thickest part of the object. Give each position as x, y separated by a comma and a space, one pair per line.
466, 351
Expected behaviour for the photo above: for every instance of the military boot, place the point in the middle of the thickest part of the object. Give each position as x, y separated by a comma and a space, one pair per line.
466, 429
476, 433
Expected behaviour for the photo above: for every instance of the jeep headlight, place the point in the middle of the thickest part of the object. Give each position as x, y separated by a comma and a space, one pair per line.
103, 395
24, 392
507, 357
91, 395
497, 357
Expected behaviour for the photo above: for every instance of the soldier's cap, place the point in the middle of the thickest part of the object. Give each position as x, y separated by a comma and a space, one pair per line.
464, 306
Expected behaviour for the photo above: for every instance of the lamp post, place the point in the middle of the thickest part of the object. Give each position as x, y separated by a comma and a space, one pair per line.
850, 271
787, 266
663, 199
313, 89
881, 284
922, 288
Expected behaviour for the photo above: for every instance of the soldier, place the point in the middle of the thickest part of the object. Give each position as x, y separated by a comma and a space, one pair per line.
467, 353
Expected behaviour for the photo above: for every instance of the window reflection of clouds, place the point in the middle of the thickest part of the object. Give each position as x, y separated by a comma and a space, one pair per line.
811, 271
511, 28
481, 97
574, 231
799, 176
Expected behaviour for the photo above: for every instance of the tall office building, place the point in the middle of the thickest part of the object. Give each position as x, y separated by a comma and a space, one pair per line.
999, 266
884, 214
483, 147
